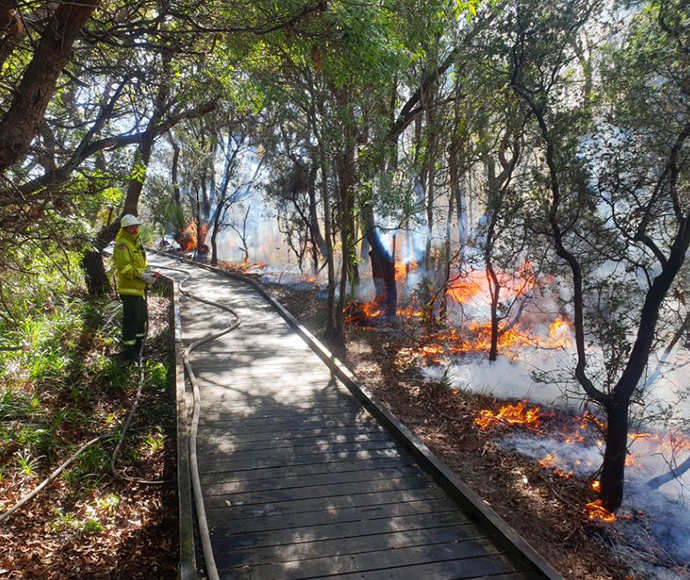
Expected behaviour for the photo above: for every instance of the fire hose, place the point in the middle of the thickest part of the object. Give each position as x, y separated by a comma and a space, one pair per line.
196, 482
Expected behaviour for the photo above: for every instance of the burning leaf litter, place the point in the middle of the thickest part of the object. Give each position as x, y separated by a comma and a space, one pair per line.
518, 414
596, 511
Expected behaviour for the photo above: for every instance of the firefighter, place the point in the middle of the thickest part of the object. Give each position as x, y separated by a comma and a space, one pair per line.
132, 278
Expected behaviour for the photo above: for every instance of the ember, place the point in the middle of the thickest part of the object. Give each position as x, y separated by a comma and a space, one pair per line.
597, 511
518, 414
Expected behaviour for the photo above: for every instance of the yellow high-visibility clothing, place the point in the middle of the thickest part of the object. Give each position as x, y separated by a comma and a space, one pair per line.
130, 264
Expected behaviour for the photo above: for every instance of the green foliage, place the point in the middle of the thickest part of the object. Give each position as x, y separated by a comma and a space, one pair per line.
26, 464
88, 470
114, 375
108, 503
155, 440
156, 377
69, 522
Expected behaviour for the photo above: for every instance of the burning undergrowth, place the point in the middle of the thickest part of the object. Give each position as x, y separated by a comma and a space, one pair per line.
653, 527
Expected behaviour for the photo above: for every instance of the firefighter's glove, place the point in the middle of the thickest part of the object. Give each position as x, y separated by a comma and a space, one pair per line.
148, 277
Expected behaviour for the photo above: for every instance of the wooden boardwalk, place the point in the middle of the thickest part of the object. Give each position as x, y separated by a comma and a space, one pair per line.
299, 479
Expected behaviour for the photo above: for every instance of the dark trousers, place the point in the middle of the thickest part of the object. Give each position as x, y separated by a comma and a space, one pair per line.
134, 318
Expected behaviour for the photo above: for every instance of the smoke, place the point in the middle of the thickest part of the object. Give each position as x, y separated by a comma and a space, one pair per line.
505, 378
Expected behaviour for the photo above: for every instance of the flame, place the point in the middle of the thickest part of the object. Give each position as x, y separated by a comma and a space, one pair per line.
475, 283
371, 309
560, 332
476, 337
518, 414
400, 272
596, 485
356, 313
464, 289
188, 239
597, 511
410, 312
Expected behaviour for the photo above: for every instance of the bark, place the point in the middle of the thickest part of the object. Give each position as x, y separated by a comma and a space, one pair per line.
613, 469
328, 231
443, 308
174, 170
382, 267
321, 132
613, 472
345, 167
20, 124
317, 237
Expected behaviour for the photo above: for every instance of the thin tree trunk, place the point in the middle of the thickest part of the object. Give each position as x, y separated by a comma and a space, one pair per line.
318, 240
346, 180
321, 131
177, 199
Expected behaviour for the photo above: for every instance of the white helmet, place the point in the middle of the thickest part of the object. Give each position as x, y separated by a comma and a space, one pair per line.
129, 220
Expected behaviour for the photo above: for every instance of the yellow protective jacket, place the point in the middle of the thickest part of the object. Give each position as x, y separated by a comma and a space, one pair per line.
130, 264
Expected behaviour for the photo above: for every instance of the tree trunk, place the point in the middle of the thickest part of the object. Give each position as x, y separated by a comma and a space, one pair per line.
214, 234
23, 119
382, 266
443, 308
318, 240
613, 469
493, 207
177, 199
346, 169
321, 131
383, 272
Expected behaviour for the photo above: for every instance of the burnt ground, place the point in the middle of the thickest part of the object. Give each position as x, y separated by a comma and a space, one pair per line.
545, 508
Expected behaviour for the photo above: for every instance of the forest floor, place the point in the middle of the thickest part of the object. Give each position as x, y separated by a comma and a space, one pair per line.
546, 508
90, 523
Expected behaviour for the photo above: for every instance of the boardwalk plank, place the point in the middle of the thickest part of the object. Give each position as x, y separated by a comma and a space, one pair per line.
211, 453
225, 487
307, 470
290, 427
494, 568
230, 465
473, 557
337, 531
289, 417
229, 444
308, 433
342, 404
316, 492
326, 517
364, 543
234, 511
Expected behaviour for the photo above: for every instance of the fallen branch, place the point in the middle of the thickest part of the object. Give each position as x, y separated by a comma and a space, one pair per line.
674, 473
26, 499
